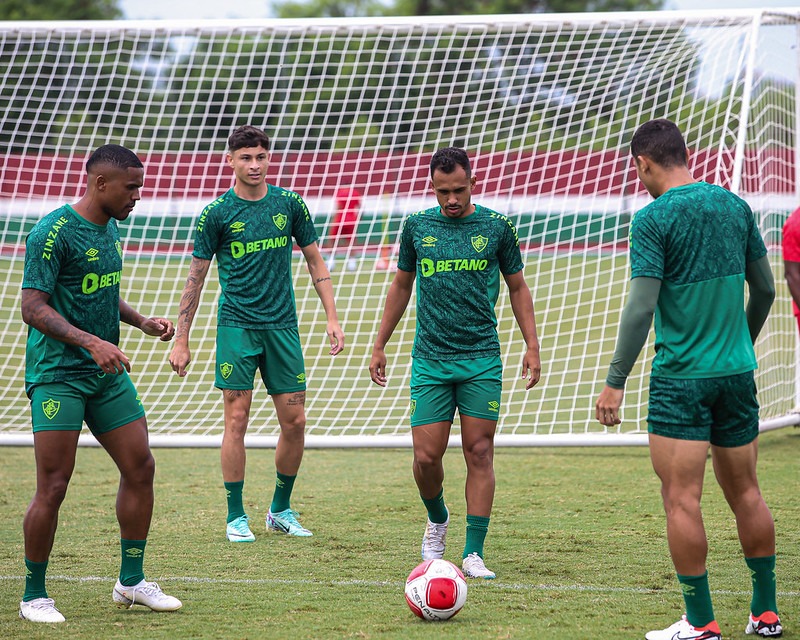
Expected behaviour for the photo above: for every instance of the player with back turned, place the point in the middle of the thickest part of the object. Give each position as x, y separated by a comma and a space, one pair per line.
691, 251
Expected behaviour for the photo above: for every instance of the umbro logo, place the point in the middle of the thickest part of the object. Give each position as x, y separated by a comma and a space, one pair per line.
428, 241
237, 227
92, 255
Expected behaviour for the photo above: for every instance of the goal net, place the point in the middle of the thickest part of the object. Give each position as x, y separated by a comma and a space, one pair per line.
545, 106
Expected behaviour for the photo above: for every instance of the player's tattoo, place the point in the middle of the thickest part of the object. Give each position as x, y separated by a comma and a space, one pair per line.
318, 280
232, 394
297, 399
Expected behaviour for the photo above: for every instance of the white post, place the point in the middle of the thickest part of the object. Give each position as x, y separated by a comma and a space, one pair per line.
741, 138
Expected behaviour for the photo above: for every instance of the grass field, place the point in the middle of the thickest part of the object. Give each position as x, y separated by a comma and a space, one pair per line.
577, 540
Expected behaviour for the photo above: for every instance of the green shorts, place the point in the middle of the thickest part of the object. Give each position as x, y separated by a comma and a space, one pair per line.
438, 387
722, 411
104, 401
277, 354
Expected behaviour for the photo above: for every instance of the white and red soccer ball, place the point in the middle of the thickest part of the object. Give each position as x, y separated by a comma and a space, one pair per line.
436, 590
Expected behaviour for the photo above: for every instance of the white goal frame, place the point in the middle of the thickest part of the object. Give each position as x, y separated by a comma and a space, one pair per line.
544, 104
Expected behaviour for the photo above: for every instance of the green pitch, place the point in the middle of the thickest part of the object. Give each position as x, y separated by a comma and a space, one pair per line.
577, 539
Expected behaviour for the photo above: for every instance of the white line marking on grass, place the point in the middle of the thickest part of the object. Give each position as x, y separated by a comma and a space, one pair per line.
494, 584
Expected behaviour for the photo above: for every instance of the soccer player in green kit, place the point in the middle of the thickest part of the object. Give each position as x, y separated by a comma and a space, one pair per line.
250, 229
456, 252
76, 372
692, 250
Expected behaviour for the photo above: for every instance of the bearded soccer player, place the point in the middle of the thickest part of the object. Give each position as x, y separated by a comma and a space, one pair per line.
456, 252
76, 372
692, 250
249, 229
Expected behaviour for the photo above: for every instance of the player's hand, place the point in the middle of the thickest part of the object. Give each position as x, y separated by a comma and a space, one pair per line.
179, 358
531, 367
606, 409
109, 357
377, 367
336, 337
159, 327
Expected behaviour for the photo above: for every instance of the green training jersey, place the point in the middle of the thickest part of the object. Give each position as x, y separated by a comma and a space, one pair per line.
458, 262
80, 265
697, 239
252, 240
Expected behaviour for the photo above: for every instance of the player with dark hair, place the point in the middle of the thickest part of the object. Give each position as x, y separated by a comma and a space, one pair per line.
692, 250
76, 372
456, 252
249, 229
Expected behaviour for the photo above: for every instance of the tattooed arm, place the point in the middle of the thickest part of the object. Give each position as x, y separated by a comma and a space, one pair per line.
181, 356
37, 312
321, 278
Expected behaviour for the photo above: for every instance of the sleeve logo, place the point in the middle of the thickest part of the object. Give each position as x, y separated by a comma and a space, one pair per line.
50, 408
479, 243
280, 220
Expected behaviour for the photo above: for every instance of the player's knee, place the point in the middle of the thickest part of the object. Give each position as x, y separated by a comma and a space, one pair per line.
142, 471
295, 427
426, 460
51, 493
480, 455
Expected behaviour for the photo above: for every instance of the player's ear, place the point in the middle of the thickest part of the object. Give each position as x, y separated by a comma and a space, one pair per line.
642, 163
229, 159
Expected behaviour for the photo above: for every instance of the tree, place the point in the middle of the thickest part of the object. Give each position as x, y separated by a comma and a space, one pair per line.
367, 8
60, 10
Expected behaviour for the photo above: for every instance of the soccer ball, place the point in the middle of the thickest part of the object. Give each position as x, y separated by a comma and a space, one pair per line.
436, 590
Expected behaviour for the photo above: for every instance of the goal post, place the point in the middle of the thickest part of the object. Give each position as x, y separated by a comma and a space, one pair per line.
544, 104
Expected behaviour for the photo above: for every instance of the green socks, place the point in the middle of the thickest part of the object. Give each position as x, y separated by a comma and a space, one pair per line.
233, 492
283, 493
477, 527
131, 570
34, 580
437, 512
697, 596
762, 574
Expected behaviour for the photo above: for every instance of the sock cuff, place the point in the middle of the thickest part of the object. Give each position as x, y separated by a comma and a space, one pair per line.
478, 521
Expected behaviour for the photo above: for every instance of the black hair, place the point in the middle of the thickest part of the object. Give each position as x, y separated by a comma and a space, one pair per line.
661, 141
115, 156
247, 136
447, 159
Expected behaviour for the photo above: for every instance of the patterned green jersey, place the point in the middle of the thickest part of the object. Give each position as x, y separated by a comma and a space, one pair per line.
79, 264
253, 244
458, 262
697, 239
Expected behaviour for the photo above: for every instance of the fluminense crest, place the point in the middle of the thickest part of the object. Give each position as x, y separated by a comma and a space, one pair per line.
50, 408
479, 243
280, 220
226, 369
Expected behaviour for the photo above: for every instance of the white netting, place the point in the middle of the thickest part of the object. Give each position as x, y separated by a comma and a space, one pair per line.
545, 105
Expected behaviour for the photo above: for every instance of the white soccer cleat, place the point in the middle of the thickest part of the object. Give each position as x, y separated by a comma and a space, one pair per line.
146, 594
473, 567
286, 522
683, 630
238, 530
767, 625
433, 540
40, 610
